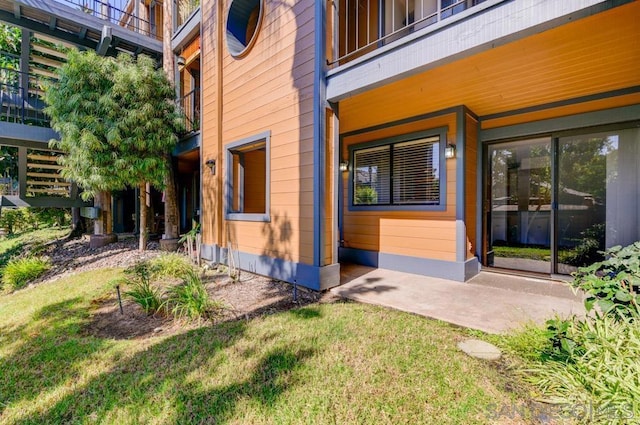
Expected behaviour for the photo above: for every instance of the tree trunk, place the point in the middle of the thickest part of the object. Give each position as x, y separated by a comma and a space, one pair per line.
171, 229
144, 226
77, 224
171, 216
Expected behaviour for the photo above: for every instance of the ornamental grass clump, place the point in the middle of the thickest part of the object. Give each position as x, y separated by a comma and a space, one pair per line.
18, 272
171, 265
190, 300
142, 291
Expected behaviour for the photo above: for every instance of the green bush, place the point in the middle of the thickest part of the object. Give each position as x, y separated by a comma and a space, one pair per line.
170, 265
142, 292
366, 195
601, 373
612, 284
190, 300
18, 220
18, 272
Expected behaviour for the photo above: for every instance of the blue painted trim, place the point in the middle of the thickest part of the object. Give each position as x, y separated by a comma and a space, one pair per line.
453, 270
191, 142
552, 125
480, 178
20, 133
309, 276
440, 206
461, 229
228, 178
402, 121
319, 132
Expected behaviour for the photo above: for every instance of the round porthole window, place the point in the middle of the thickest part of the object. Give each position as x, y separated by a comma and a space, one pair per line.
243, 23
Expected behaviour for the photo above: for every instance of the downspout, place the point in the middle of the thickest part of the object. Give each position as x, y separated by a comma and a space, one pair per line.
221, 170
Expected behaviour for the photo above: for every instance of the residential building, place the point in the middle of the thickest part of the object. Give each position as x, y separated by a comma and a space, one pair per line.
429, 136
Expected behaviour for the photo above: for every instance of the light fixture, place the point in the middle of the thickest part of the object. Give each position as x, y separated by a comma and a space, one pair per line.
344, 165
450, 151
211, 163
181, 61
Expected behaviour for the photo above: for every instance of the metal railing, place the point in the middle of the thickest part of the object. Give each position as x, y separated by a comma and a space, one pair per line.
123, 13
21, 98
360, 26
184, 9
190, 106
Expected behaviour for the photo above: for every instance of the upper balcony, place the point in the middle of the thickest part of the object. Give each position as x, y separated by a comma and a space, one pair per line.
108, 26
374, 43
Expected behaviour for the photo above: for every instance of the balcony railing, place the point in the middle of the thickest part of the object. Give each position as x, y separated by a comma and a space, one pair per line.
21, 98
190, 105
364, 25
184, 9
123, 13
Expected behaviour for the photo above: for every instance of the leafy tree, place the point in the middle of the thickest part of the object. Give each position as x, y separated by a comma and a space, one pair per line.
117, 121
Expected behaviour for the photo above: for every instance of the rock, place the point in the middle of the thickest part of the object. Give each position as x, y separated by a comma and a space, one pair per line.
480, 349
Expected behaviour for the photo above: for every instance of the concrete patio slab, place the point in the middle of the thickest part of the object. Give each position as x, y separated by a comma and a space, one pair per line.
491, 302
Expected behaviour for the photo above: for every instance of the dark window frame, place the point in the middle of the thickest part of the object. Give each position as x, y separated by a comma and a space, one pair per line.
440, 132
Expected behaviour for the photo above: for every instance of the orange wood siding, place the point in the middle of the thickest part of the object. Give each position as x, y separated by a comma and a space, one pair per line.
269, 89
578, 108
592, 55
425, 234
471, 182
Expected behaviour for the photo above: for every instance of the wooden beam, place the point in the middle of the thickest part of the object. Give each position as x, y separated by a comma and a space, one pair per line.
43, 183
35, 46
46, 175
45, 166
42, 157
58, 191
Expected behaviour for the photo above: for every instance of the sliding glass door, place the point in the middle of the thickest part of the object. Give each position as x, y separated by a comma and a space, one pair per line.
554, 204
520, 205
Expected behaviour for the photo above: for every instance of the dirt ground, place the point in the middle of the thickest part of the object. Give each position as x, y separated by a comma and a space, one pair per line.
250, 296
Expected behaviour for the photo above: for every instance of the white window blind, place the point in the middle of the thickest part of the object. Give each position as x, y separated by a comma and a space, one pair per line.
372, 176
405, 173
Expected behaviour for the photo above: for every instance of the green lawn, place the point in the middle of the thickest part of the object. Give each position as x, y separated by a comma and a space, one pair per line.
14, 244
326, 363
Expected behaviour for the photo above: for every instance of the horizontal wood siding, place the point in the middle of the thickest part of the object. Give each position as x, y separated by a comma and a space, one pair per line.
269, 89
424, 234
596, 54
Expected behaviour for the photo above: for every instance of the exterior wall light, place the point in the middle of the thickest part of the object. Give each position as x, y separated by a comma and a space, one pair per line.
211, 163
344, 165
181, 61
450, 151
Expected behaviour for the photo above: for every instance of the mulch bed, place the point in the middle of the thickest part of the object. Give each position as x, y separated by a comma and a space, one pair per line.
245, 298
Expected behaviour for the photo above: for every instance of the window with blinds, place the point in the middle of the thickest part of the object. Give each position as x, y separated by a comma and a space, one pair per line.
404, 173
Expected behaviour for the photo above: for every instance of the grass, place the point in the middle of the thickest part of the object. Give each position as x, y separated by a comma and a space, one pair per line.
13, 245
341, 363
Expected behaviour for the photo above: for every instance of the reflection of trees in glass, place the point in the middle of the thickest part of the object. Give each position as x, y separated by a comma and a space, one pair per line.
583, 166
10, 39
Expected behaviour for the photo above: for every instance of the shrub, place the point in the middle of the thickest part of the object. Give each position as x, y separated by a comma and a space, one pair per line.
190, 300
145, 295
142, 292
170, 265
366, 195
601, 378
18, 272
612, 284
